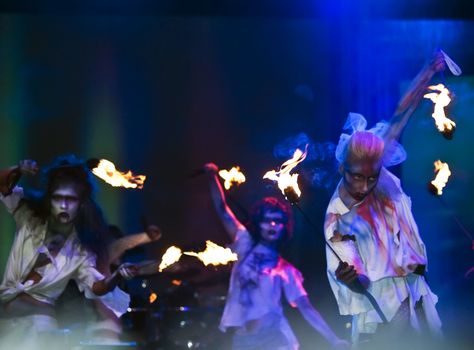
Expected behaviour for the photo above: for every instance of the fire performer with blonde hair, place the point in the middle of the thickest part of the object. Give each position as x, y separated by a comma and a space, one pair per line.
59, 235
253, 309
370, 225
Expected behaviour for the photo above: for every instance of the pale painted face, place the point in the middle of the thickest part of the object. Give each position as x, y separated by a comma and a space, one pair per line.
272, 226
360, 176
65, 203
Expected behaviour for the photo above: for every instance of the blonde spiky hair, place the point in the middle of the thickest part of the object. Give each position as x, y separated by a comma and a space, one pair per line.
370, 144
365, 145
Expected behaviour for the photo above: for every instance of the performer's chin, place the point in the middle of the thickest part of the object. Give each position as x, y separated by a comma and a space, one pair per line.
273, 234
63, 218
360, 196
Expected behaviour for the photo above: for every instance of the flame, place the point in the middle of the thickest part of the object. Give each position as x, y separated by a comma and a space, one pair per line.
107, 172
152, 298
214, 255
442, 175
232, 176
440, 99
171, 256
283, 176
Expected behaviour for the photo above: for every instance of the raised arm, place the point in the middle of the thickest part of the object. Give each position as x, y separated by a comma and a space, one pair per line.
314, 318
230, 222
413, 96
9, 177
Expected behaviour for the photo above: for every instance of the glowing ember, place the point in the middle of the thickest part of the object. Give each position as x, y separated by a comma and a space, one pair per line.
232, 176
442, 175
171, 256
152, 298
214, 255
441, 99
288, 183
107, 172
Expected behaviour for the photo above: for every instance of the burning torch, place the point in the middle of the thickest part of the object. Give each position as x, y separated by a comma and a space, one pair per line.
441, 97
232, 176
171, 256
213, 255
442, 174
288, 185
105, 170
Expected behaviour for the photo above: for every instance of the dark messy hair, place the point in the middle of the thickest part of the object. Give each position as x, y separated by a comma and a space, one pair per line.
270, 204
90, 223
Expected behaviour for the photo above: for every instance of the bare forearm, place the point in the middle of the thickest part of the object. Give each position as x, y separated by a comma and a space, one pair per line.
314, 318
217, 194
318, 323
413, 96
417, 87
226, 215
120, 246
107, 284
409, 103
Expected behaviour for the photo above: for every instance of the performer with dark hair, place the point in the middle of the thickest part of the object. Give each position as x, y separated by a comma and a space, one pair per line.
370, 225
253, 308
59, 235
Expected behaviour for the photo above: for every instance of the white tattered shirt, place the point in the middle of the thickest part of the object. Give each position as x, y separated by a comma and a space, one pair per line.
72, 261
386, 249
256, 284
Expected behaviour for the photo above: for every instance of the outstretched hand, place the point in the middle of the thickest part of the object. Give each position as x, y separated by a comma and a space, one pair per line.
28, 167
153, 232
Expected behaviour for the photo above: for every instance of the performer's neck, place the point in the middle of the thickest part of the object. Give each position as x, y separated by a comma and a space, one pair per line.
348, 200
60, 228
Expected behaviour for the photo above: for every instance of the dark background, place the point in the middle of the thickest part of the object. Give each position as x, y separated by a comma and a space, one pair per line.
163, 87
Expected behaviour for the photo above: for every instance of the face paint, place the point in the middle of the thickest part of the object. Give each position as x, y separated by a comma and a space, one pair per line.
360, 176
65, 203
272, 226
